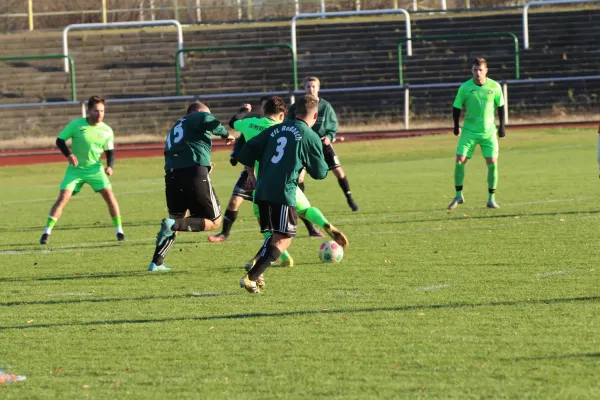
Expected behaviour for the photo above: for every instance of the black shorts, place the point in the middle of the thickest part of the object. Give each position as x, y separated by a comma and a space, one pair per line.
240, 187
331, 158
277, 218
191, 189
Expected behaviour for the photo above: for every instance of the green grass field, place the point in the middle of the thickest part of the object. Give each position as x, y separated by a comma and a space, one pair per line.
427, 303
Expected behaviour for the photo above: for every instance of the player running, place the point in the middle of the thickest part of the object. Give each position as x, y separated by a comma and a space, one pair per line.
248, 128
282, 152
479, 96
326, 127
90, 137
187, 182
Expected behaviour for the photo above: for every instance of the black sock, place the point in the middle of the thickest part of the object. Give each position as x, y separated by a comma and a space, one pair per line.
491, 191
189, 224
269, 254
309, 226
301, 186
228, 220
345, 187
161, 251
458, 188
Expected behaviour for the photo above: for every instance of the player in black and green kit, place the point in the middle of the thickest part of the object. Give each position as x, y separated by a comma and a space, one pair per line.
282, 151
90, 138
326, 127
187, 182
479, 96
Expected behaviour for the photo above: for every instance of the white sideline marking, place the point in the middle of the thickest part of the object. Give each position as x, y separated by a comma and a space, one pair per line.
69, 294
207, 294
545, 275
435, 287
94, 246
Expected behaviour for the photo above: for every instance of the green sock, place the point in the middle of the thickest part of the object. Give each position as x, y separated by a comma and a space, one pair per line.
285, 255
315, 216
50, 222
116, 221
459, 178
492, 178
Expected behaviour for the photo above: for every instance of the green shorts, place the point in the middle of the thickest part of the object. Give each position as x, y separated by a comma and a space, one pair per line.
469, 140
76, 177
302, 203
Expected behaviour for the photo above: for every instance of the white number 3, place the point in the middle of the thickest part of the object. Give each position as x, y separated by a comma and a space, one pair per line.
281, 142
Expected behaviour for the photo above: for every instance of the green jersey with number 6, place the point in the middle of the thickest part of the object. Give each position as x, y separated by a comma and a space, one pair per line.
282, 151
189, 141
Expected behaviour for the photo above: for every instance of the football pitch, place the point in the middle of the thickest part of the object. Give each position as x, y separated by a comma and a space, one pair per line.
427, 303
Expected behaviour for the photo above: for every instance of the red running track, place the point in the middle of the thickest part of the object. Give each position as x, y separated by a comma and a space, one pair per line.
42, 156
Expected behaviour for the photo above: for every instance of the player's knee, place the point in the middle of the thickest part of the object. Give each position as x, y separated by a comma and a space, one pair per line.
212, 225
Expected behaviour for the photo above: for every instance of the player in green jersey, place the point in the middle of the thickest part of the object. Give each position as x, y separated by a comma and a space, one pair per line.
248, 128
90, 137
479, 96
188, 186
326, 127
282, 151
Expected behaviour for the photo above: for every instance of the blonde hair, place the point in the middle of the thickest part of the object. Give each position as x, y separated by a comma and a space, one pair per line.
311, 79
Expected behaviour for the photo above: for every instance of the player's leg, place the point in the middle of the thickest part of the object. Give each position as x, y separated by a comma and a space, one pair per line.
282, 221
312, 230
177, 204
464, 151
55, 213
201, 201
315, 216
286, 258
99, 181
240, 193
71, 184
333, 162
489, 148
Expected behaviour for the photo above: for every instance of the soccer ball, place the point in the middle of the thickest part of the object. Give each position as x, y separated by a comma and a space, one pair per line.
331, 252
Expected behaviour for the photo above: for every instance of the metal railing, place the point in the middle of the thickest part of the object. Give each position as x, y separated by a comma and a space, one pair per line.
122, 25
352, 14
458, 36
235, 47
148, 9
539, 4
290, 94
68, 59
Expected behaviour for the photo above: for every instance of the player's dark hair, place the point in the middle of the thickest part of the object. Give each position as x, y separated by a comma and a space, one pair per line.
274, 105
264, 98
306, 105
196, 107
479, 62
95, 100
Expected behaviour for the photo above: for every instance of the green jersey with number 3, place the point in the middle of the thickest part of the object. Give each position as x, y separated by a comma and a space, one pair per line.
189, 141
282, 151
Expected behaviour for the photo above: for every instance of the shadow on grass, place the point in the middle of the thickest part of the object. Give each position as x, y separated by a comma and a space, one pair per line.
131, 274
307, 312
461, 217
554, 357
96, 225
112, 300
